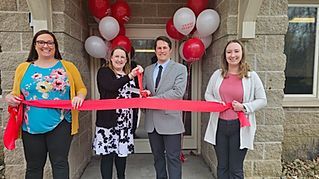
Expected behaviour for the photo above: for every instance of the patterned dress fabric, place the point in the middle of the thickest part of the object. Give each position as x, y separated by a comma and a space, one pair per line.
118, 139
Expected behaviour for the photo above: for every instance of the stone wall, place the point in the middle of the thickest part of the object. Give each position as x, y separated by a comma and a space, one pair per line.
301, 133
15, 38
71, 29
265, 55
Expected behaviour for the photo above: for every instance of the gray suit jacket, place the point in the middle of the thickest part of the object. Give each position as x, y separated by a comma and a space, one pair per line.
171, 86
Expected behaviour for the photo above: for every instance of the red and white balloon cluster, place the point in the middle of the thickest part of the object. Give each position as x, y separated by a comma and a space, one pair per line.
111, 19
195, 24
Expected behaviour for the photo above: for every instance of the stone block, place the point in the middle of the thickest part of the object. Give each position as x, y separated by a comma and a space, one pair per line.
168, 10
23, 6
269, 168
58, 5
75, 30
161, 20
275, 43
10, 41
61, 23
14, 157
274, 97
260, 117
297, 117
256, 45
270, 62
264, 8
274, 116
14, 171
27, 41
257, 153
157, 1
279, 7
272, 151
275, 80
248, 168
8, 5
306, 130
7, 80
144, 10
15, 22
10, 61
272, 24
269, 133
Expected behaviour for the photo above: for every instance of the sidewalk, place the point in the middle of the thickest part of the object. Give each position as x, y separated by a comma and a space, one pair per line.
140, 166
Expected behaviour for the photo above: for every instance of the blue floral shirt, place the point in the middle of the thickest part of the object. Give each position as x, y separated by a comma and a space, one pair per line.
44, 84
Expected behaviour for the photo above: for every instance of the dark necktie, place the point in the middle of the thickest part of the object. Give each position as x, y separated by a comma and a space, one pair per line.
158, 78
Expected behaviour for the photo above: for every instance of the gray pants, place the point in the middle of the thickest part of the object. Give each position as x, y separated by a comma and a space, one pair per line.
171, 146
230, 157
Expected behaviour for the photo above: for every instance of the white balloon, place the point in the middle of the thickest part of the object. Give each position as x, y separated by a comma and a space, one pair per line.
206, 40
180, 50
207, 22
109, 27
95, 47
184, 20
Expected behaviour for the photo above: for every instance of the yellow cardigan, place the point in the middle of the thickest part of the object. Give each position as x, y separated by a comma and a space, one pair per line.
76, 86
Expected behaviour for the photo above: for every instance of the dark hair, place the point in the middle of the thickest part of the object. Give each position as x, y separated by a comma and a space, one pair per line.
33, 54
243, 66
165, 39
127, 66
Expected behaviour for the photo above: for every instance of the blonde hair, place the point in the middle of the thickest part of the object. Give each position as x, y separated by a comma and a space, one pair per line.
127, 66
244, 68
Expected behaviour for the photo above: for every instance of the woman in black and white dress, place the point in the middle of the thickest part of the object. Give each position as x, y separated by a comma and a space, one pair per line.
113, 134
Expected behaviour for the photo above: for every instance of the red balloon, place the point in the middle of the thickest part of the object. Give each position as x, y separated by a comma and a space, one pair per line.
121, 11
123, 42
122, 30
193, 50
99, 8
197, 5
171, 30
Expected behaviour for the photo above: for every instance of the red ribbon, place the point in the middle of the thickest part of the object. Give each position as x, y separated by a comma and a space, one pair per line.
11, 133
16, 113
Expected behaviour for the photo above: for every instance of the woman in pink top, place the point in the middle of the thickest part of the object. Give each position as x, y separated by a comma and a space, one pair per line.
234, 83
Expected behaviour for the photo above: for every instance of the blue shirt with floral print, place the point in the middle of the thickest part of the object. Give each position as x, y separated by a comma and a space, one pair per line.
44, 84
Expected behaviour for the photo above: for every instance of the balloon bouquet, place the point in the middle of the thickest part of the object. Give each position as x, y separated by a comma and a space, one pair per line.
111, 19
197, 33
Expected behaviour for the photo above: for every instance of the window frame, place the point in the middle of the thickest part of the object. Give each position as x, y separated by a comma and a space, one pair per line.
307, 100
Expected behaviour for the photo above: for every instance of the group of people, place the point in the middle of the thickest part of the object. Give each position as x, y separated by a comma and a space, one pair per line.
45, 75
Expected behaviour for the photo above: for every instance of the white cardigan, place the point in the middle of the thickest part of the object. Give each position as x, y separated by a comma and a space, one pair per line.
254, 98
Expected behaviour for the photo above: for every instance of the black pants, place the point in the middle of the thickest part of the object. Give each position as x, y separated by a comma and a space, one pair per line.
107, 166
230, 157
57, 143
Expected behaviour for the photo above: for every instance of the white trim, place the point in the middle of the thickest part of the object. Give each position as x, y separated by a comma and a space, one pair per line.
307, 100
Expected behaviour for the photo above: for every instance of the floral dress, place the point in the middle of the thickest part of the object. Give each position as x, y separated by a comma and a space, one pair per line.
118, 139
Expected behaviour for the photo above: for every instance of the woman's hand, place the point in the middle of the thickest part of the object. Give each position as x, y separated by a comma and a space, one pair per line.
12, 100
145, 93
136, 70
77, 101
238, 106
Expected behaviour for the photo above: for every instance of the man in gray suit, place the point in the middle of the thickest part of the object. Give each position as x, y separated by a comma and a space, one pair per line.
165, 79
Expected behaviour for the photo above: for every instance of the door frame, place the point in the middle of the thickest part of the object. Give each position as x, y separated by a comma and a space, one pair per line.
191, 142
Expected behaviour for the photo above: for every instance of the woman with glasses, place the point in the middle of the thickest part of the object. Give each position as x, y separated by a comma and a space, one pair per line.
45, 76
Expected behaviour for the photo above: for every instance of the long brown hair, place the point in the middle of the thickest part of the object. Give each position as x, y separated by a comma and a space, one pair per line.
243, 65
127, 66
33, 54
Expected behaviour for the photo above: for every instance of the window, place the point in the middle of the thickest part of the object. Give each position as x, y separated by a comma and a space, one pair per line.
301, 49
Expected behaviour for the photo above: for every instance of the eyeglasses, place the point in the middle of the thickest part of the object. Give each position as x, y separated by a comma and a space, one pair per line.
41, 43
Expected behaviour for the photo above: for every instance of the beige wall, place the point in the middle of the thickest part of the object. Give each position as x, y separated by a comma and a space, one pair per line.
71, 29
